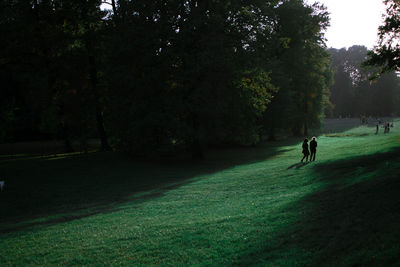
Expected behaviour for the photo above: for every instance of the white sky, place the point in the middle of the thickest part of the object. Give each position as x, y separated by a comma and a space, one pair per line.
353, 22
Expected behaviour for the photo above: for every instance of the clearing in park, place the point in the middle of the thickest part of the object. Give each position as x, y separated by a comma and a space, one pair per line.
246, 206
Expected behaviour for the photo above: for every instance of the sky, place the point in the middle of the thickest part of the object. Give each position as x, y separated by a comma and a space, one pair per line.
353, 22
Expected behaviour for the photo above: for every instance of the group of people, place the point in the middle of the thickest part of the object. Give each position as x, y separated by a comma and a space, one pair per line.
313, 149
386, 126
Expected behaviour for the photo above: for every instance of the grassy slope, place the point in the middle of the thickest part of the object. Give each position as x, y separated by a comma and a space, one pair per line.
247, 206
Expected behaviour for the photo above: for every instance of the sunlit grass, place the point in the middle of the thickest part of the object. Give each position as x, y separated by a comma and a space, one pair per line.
244, 207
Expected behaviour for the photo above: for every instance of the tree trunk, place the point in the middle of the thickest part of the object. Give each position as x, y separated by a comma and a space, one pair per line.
105, 146
99, 114
197, 151
94, 82
271, 129
114, 7
67, 142
196, 148
296, 129
305, 128
271, 135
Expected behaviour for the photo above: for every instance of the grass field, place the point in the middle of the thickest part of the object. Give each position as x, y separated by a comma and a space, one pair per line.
245, 206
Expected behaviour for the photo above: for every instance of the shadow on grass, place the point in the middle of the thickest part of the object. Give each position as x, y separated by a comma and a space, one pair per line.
48, 190
298, 165
353, 220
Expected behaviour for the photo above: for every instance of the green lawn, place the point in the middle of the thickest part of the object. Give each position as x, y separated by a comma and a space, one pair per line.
245, 206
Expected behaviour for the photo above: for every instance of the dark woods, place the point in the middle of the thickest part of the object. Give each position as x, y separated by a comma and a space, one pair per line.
159, 76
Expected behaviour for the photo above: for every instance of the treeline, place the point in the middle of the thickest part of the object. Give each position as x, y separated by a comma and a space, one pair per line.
353, 94
161, 75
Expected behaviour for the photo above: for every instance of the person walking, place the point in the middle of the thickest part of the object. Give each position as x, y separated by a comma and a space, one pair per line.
306, 152
313, 148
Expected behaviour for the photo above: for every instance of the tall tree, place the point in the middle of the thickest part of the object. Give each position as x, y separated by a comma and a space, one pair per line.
160, 75
188, 74
342, 91
31, 43
386, 54
303, 67
51, 50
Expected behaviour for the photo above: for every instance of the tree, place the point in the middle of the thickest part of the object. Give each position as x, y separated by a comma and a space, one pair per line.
342, 92
386, 54
51, 51
163, 75
188, 74
352, 94
302, 67
27, 60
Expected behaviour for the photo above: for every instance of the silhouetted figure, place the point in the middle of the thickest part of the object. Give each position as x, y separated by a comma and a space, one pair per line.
377, 128
313, 148
386, 127
305, 150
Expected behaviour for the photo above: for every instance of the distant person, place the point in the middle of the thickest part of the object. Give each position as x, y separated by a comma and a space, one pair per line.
363, 119
313, 148
377, 128
305, 150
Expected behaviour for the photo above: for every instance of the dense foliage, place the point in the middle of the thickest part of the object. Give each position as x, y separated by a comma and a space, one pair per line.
160, 75
301, 70
386, 54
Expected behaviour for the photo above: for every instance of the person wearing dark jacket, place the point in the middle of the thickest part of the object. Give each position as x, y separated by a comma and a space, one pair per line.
313, 148
305, 150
